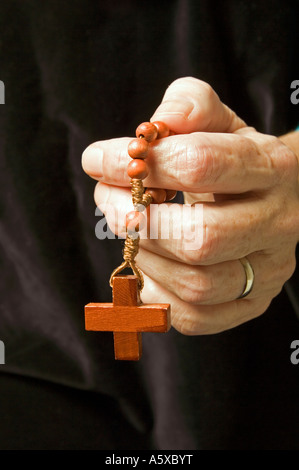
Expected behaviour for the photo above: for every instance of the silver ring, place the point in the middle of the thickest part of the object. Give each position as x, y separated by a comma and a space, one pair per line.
249, 277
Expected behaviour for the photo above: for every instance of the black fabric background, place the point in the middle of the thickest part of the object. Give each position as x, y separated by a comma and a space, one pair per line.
85, 70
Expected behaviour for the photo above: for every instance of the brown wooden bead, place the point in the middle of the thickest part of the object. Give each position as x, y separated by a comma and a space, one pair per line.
138, 148
135, 221
147, 130
170, 194
163, 130
137, 169
158, 195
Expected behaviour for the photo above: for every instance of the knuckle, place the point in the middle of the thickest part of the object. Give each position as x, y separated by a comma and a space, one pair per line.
208, 91
188, 295
201, 159
210, 240
274, 280
288, 220
195, 288
209, 246
190, 257
284, 160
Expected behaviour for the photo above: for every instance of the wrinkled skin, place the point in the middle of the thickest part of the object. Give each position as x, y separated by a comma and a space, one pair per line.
247, 184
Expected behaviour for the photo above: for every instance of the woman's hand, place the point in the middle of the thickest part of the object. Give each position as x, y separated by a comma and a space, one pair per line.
247, 185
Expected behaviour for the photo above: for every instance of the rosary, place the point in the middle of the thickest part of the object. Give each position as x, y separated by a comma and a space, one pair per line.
127, 317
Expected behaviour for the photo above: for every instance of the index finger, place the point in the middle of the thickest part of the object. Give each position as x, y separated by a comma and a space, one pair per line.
197, 162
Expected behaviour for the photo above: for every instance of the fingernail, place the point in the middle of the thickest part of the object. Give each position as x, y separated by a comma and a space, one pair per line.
175, 107
92, 161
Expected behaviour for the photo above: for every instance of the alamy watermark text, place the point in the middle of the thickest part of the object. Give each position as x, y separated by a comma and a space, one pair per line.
182, 222
295, 354
2, 92
295, 94
2, 353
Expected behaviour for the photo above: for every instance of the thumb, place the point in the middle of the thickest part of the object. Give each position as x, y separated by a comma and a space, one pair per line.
191, 105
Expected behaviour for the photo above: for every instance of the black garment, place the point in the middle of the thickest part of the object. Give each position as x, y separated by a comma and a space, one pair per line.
86, 70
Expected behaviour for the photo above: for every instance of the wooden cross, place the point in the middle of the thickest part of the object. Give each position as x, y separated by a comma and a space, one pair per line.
127, 317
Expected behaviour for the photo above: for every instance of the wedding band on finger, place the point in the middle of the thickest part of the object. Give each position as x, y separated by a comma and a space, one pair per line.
249, 277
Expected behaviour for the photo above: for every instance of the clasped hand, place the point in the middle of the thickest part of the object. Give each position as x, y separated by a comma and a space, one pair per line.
247, 184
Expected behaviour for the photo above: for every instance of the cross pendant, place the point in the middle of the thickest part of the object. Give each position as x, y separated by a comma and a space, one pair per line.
127, 318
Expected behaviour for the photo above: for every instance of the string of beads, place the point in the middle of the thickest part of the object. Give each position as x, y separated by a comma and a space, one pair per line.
137, 169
